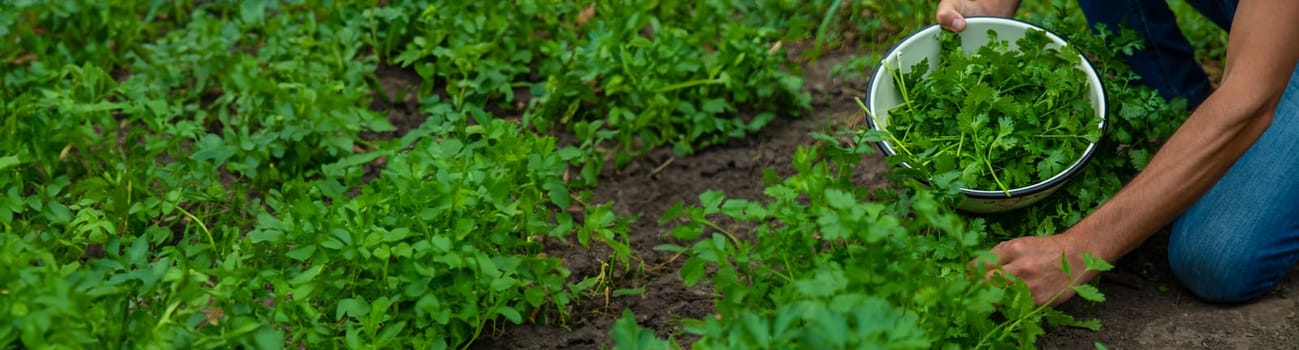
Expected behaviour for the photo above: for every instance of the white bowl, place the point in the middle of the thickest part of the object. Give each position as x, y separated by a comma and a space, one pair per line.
882, 93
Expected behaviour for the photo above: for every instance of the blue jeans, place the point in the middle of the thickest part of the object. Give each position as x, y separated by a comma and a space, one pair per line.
1238, 241
1241, 238
1167, 62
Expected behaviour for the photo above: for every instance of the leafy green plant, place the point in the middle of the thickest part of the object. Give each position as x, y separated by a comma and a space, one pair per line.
277, 94
657, 82
820, 267
51, 34
480, 52
192, 175
460, 248
627, 335
208, 189
673, 73
1021, 118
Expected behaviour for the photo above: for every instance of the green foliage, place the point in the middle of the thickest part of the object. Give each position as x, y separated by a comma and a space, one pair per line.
819, 266
56, 33
630, 336
460, 247
479, 52
446, 242
647, 74
208, 175
663, 80
208, 187
278, 94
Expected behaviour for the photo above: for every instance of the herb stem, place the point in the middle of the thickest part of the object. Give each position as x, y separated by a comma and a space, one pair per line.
876, 119
825, 23
959, 144
1041, 98
718, 228
993, 171
166, 315
688, 84
1005, 327
1061, 136
947, 138
902, 85
777, 273
902, 147
201, 225
385, 269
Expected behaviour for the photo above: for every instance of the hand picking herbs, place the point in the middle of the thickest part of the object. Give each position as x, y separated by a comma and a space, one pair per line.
996, 119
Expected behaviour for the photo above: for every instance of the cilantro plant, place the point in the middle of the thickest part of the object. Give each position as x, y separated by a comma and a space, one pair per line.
1001, 118
207, 188
50, 34
448, 242
192, 175
275, 94
645, 75
665, 85
821, 265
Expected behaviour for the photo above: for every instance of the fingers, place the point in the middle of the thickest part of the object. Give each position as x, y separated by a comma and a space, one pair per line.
1006, 254
998, 275
1007, 251
1041, 293
1034, 261
991, 264
949, 15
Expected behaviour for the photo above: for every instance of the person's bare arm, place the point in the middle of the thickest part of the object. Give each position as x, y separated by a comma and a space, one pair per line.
1263, 51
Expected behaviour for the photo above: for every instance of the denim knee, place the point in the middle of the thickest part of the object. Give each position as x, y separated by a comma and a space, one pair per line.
1239, 239
1209, 258
1212, 273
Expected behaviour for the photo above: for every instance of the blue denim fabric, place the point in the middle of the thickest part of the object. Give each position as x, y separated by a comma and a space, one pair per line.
1238, 241
1167, 62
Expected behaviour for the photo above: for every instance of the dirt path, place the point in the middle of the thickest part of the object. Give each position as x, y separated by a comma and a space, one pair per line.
1148, 309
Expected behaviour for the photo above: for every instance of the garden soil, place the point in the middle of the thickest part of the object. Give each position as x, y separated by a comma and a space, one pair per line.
1146, 307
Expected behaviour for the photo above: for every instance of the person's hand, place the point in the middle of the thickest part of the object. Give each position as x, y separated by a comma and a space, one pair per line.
1036, 260
951, 13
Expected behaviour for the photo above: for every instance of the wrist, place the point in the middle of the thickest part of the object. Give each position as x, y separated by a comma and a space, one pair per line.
1077, 243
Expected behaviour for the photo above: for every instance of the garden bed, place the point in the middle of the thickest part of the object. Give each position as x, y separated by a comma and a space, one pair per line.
1146, 308
378, 174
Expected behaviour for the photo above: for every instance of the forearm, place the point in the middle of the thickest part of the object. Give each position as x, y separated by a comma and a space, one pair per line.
1190, 163
1264, 49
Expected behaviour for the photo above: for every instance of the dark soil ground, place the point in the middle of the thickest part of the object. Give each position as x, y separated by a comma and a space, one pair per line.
1147, 308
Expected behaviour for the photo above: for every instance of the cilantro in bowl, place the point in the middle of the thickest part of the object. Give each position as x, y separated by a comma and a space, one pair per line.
999, 118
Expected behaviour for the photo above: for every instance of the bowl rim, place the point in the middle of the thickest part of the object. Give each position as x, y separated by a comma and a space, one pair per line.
1049, 183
